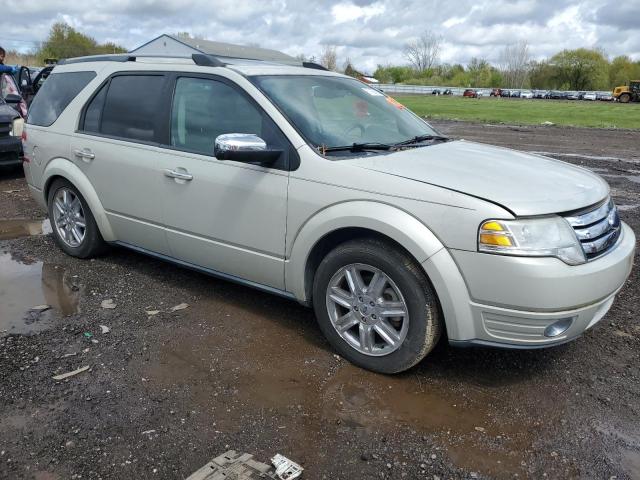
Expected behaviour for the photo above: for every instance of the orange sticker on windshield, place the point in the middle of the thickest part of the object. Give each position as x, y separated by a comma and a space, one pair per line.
395, 103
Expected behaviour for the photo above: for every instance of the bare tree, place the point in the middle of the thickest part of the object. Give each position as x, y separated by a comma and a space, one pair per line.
424, 52
329, 57
515, 63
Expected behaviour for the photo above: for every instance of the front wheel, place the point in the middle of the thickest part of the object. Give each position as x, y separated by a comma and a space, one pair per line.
375, 306
624, 98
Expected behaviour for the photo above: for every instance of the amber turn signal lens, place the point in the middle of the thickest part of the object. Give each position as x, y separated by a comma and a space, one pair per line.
494, 226
499, 240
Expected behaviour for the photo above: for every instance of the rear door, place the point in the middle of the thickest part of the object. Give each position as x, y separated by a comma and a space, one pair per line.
227, 216
116, 146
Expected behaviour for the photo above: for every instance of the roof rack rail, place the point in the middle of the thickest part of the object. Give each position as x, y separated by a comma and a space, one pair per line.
315, 66
202, 59
99, 58
207, 60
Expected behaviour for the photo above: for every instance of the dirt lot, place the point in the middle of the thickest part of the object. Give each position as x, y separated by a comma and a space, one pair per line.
239, 369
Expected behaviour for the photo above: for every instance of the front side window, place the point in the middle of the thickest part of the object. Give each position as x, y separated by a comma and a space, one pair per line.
204, 108
335, 111
55, 95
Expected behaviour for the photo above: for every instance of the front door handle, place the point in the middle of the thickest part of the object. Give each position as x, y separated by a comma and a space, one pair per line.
180, 175
84, 154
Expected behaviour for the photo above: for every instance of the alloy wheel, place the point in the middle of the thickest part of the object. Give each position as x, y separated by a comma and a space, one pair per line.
367, 309
68, 217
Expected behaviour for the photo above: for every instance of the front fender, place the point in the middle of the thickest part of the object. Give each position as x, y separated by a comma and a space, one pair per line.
60, 167
379, 217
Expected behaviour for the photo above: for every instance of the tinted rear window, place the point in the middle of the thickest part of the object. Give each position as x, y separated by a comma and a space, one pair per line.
132, 107
54, 96
93, 113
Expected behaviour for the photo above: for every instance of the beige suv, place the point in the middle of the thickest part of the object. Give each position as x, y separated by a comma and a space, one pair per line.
315, 186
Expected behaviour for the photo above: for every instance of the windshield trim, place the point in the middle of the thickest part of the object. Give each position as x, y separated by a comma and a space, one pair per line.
315, 147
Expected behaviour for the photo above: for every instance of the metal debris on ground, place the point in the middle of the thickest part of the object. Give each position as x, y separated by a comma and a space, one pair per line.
70, 374
285, 468
178, 307
108, 303
41, 308
232, 465
105, 329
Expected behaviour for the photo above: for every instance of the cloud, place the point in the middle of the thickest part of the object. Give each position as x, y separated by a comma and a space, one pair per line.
369, 32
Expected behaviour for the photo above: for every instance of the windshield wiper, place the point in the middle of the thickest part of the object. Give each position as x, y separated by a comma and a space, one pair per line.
421, 138
356, 147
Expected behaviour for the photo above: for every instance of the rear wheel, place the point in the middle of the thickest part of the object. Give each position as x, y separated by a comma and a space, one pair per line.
74, 227
624, 98
375, 306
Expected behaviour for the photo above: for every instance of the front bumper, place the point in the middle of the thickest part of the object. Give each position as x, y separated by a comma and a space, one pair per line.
510, 301
10, 150
506, 328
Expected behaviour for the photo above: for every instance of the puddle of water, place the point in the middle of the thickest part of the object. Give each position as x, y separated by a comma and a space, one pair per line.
624, 208
26, 285
23, 228
631, 178
603, 158
631, 463
265, 365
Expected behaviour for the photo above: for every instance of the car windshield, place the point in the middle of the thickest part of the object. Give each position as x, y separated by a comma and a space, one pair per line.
333, 112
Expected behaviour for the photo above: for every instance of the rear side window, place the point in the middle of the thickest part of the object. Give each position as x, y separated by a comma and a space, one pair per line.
54, 96
132, 108
93, 113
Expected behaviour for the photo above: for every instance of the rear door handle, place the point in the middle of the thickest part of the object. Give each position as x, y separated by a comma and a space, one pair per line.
180, 175
84, 154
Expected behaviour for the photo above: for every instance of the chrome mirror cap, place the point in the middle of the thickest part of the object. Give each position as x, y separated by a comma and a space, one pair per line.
239, 142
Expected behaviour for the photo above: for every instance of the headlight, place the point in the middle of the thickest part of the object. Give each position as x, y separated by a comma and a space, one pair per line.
17, 126
539, 237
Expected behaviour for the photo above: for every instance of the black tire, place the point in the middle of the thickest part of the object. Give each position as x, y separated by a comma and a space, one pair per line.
424, 313
624, 98
92, 244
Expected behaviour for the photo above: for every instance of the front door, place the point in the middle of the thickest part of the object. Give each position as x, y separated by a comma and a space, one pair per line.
226, 216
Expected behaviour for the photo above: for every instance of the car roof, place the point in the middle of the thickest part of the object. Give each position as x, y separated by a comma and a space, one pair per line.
243, 66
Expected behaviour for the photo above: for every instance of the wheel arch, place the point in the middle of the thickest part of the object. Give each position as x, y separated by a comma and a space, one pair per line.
60, 168
345, 221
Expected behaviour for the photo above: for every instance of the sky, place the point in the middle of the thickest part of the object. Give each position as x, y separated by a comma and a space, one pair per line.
365, 31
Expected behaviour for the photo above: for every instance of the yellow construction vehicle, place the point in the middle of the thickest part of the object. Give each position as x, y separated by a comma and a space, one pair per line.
626, 94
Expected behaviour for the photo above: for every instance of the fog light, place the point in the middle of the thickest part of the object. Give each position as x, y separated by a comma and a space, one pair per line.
557, 328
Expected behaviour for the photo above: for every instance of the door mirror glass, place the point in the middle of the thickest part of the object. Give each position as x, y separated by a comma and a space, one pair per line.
244, 147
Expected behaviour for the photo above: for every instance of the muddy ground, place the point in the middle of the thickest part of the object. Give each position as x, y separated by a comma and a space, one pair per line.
239, 369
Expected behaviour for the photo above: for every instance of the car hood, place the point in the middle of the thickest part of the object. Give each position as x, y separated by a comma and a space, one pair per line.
525, 184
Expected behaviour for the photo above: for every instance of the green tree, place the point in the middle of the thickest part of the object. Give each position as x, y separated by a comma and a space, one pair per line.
391, 74
581, 69
622, 70
483, 74
65, 42
543, 75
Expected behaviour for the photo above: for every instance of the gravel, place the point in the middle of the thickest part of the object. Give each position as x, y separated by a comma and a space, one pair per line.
168, 388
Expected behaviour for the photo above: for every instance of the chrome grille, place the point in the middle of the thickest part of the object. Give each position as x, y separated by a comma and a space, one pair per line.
598, 230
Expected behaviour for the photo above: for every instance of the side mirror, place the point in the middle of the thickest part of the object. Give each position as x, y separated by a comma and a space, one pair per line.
244, 147
12, 98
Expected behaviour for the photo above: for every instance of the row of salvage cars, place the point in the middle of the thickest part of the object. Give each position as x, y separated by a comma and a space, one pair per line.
542, 94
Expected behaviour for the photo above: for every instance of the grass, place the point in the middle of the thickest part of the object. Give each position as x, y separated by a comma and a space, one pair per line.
526, 112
